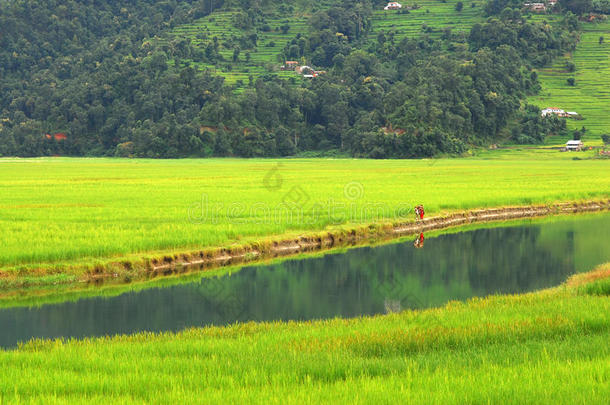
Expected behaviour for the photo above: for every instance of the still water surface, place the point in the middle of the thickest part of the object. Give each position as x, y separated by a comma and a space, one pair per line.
517, 258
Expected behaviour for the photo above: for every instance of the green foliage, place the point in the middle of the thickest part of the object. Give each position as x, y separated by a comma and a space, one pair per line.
591, 97
577, 6
532, 128
159, 94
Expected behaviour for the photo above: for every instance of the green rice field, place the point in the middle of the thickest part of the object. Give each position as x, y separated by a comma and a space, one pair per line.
544, 347
70, 211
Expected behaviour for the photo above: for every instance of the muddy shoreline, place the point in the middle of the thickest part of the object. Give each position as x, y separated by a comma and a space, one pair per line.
214, 258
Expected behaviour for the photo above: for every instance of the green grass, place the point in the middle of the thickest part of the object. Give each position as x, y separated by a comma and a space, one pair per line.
432, 13
545, 347
59, 210
591, 95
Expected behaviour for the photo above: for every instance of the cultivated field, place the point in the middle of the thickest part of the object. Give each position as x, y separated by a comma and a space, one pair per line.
590, 96
69, 211
550, 346
264, 58
431, 17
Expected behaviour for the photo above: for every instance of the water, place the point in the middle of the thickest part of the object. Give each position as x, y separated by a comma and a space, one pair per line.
523, 257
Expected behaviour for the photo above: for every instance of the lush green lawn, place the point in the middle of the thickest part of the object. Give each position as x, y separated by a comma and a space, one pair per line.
545, 347
59, 210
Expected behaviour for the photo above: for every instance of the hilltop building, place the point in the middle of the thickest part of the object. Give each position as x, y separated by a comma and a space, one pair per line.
393, 6
290, 65
558, 112
575, 145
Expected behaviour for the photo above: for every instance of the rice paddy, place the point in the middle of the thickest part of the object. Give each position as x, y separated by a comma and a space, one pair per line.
547, 347
61, 211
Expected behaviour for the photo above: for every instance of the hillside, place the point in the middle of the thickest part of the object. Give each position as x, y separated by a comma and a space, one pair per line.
590, 96
266, 56
200, 79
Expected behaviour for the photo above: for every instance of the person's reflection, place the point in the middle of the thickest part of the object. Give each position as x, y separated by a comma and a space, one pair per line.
419, 241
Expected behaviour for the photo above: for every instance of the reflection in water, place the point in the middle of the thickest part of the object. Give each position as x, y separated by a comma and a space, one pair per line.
419, 241
362, 281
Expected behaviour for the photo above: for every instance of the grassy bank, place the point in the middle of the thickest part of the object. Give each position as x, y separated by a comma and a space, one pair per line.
550, 345
86, 211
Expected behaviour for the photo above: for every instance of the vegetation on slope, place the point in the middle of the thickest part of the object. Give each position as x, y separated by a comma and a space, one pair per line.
139, 91
589, 65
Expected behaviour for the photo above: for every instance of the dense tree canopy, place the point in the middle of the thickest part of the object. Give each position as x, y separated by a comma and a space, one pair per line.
92, 70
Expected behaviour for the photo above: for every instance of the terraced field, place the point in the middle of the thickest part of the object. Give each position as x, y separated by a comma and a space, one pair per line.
433, 14
590, 96
263, 58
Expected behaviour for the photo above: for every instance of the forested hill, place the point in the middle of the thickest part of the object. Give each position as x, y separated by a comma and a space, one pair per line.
152, 78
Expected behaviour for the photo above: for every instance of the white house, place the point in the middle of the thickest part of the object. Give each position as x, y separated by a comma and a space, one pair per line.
393, 6
552, 110
303, 70
535, 6
574, 145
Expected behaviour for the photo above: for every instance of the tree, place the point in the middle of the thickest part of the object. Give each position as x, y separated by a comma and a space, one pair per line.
601, 40
459, 6
571, 81
577, 6
606, 139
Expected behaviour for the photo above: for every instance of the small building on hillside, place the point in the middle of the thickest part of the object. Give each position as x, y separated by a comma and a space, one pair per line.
575, 145
552, 110
290, 65
393, 6
60, 136
539, 7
